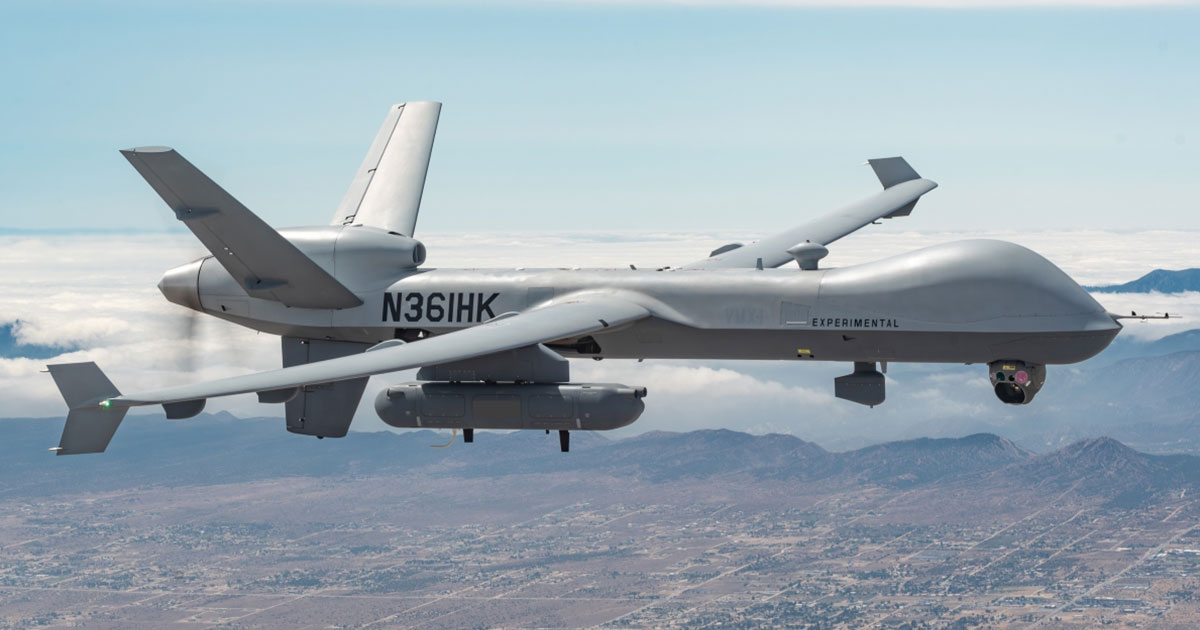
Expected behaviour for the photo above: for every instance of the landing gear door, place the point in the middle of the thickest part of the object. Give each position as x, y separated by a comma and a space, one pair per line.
324, 410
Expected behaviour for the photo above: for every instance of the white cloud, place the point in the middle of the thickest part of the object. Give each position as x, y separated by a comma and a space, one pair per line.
1184, 309
97, 293
685, 395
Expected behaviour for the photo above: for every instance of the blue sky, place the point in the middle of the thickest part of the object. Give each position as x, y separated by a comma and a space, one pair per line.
595, 116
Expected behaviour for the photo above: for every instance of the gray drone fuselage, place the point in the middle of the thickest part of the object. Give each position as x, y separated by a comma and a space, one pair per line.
351, 300
971, 301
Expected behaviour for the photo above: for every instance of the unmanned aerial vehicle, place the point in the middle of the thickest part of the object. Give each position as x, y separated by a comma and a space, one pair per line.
353, 299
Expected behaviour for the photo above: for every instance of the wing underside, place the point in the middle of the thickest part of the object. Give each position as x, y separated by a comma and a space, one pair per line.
561, 320
97, 407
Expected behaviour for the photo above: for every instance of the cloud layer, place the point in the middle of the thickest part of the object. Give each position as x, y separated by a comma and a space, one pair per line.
97, 293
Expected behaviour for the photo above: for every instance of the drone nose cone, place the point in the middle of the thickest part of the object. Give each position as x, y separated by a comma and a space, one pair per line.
181, 285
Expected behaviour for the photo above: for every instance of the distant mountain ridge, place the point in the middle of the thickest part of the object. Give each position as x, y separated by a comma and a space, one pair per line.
1126, 347
1160, 280
218, 448
916, 462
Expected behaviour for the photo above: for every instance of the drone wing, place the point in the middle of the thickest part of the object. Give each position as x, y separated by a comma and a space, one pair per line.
97, 407
902, 187
386, 191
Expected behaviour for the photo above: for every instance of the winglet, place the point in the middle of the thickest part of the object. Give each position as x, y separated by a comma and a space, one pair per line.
91, 422
892, 171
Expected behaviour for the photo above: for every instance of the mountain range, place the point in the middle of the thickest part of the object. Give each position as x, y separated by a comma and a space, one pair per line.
1126, 346
219, 448
1160, 280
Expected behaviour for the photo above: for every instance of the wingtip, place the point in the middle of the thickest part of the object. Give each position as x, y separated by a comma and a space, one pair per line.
148, 149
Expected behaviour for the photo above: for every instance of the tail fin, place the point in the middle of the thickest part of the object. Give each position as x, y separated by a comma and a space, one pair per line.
90, 423
386, 191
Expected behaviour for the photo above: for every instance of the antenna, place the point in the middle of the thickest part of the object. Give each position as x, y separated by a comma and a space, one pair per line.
1134, 315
